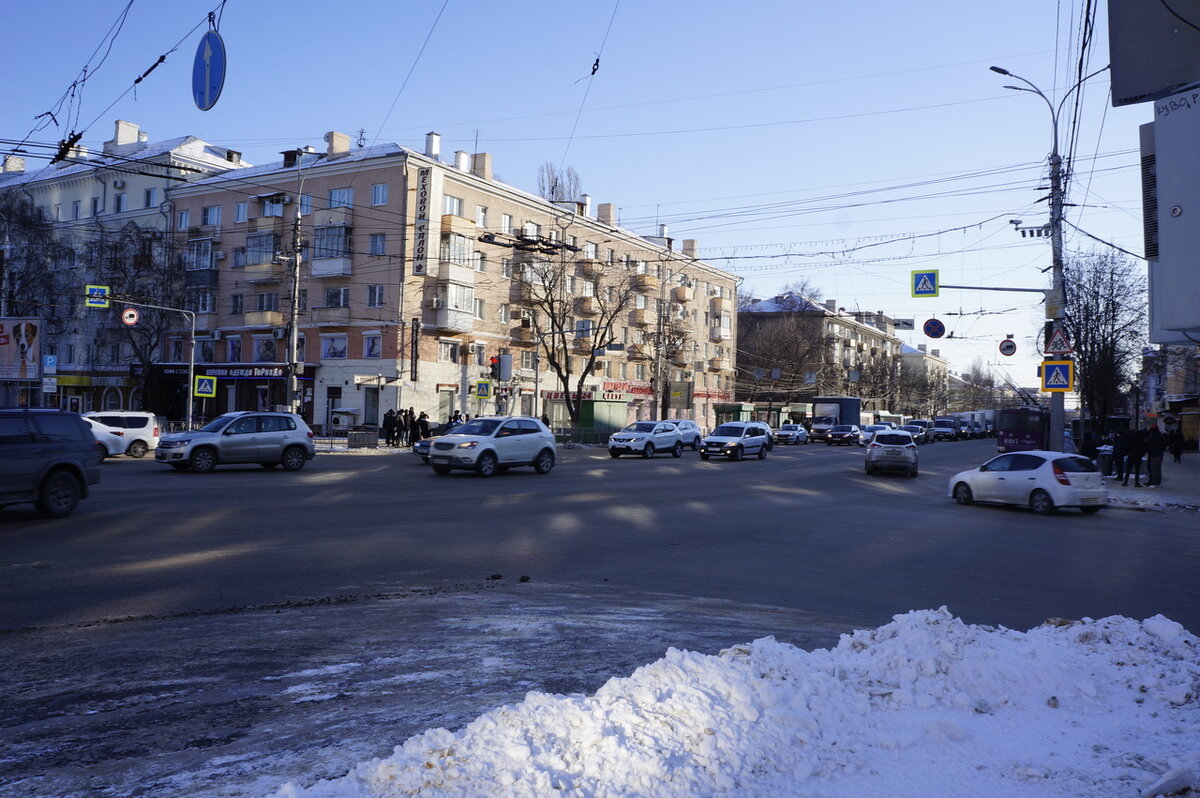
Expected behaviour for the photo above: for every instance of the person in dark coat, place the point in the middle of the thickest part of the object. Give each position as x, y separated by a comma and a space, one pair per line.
1156, 446
423, 424
1135, 450
389, 428
1120, 444
414, 427
1175, 444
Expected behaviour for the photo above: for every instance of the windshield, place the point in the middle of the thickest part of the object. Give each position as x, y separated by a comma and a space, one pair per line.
478, 426
893, 439
789, 428
641, 426
842, 428
728, 431
217, 424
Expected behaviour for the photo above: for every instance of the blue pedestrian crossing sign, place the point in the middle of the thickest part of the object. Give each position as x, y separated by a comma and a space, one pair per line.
205, 387
925, 283
483, 389
96, 296
1058, 376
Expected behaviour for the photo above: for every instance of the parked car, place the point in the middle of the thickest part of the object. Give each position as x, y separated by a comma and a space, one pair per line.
1041, 480
736, 439
421, 448
490, 444
791, 433
110, 441
646, 438
917, 432
142, 430
867, 432
245, 436
47, 457
844, 434
892, 450
689, 432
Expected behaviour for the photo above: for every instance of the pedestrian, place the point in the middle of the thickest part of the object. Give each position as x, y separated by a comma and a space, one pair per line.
414, 429
546, 420
1119, 450
1175, 444
389, 428
1135, 450
1156, 445
423, 425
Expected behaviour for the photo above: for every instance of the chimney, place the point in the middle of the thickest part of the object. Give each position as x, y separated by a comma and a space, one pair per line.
289, 158
339, 144
13, 165
586, 202
936, 353
662, 231
433, 145
604, 213
460, 160
921, 347
481, 165
233, 156
124, 135
831, 305
689, 247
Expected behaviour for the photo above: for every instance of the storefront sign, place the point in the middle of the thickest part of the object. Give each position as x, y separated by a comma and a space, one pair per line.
420, 257
585, 396
623, 386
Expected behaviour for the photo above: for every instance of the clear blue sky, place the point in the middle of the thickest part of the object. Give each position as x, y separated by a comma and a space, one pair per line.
780, 135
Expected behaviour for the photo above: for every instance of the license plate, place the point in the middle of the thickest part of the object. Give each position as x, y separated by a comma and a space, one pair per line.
892, 451
441, 459
1090, 501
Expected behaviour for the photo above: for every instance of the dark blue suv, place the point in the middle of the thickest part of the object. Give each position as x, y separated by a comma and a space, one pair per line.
47, 457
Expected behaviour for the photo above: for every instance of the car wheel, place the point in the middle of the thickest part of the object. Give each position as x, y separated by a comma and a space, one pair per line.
59, 494
870, 471
678, 450
545, 461
703, 455
614, 455
294, 458
137, 449
268, 466
485, 466
737, 454
962, 493
101, 452
1041, 503
648, 452
1090, 510
762, 453
696, 444
203, 460
441, 469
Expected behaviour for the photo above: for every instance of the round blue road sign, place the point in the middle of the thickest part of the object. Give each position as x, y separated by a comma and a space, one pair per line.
208, 71
934, 328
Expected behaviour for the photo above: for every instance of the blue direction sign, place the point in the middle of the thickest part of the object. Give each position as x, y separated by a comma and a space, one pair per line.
925, 283
208, 71
1058, 376
934, 328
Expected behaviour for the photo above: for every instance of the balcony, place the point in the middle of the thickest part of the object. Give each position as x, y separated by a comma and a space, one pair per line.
263, 272
590, 268
646, 282
679, 358
263, 318
209, 231
329, 316
720, 333
520, 291
587, 306
454, 320
583, 346
636, 351
266, 224
333, 217
455, 273
720, 304
640, 318
200, 278
331, 267
522, 335
682, 293
718, 364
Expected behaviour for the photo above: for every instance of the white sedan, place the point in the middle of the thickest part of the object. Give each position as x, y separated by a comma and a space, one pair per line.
1040, 480
110, 441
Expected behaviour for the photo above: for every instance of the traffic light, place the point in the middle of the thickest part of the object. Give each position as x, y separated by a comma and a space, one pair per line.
495, 368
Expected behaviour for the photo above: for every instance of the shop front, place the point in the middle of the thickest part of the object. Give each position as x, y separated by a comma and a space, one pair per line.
239, 386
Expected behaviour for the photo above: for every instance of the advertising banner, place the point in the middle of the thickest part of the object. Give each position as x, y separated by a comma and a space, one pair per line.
20, 349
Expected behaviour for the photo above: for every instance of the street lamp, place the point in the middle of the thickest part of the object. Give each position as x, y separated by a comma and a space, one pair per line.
1057, 311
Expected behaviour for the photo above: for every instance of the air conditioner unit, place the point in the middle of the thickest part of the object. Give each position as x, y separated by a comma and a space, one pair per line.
279, 334
118, 184
215, 335
218, 254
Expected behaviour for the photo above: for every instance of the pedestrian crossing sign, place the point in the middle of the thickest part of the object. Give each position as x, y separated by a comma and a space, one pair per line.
483, 389
1058, 376
205, 387
925, 283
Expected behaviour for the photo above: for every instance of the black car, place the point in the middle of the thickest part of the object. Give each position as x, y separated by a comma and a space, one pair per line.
844, 435
47, 457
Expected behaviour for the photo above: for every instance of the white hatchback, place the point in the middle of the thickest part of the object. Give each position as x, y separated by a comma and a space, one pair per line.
490, 444
1040, 480
110, 441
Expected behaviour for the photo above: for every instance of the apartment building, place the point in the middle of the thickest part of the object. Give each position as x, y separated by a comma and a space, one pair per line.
414, 273
107, 224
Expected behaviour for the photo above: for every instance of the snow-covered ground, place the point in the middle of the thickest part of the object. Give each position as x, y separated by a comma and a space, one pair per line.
923, 706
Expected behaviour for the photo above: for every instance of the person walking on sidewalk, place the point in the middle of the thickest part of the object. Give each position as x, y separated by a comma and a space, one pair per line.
1156, 446
1120, 448
1135, 450
1175, 444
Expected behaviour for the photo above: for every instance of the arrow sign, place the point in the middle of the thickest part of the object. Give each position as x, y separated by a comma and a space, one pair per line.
1059, 343
208, 71
925, 283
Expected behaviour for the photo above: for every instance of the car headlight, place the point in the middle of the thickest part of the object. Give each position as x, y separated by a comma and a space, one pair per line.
184, 442
468, 444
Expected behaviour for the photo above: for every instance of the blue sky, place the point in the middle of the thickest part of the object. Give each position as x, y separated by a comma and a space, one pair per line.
843, 143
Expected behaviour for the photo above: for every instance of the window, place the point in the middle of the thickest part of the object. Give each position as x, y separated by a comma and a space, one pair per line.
375, 296
198, 255
235, 304
506, 267
590, 250
528, 359
234, 350
268, 301
531, 230
241, 211
639, 371
305, 204
506, 223
210, 215
379, 194
460, 297
478, 308
477, 354
583, 328
239, 257
378, 244
337, 297
261, 247
456, 249
76, 209
333, 346
639, 301
332, 242
479, 259
201, 302
503, 313
150, 196
341, 198
272, 205
570, 283
610, 256
185, 216
448, 351
303, 299
452, 205
372, 346
481, 216
119, 203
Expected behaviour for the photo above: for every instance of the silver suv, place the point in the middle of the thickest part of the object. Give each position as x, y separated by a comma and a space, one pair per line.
645, 438
269, 439
736, 439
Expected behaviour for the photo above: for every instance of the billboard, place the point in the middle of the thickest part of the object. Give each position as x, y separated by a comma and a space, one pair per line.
1154, 49
20, 349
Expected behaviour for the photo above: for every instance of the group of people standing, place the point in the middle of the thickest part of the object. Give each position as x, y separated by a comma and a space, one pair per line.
404, 427
1137, 446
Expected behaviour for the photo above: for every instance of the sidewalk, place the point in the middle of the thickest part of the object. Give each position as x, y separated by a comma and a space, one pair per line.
1180, 487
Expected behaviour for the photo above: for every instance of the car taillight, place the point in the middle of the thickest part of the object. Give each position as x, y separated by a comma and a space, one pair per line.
1061, 475
310, 433
156, 431
119, 432
875, 446
910, 446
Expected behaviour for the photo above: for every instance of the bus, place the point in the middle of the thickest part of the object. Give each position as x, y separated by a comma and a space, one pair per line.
1020, 429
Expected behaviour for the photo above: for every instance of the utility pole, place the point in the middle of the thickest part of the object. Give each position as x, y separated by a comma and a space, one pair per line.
293, 367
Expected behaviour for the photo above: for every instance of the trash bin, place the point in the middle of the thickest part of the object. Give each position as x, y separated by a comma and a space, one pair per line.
362, 437
1104, 460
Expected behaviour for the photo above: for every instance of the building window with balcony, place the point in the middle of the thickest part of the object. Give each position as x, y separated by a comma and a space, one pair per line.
268, 301
235, 304
531, 230
261, 247
185, 216
479, 260
506, 268
460, 297
271, 206
449, 351
264, 349
150, 198
210, 215
375, 297
452, 205
476, 353
590, 250
341, 198
528, 359
379, 194
639, 371
377, 244
337, 297
583, 328
456, 249
233, 351
198, 255
639, 301
332, 242
333, 346
241, 211
372, 346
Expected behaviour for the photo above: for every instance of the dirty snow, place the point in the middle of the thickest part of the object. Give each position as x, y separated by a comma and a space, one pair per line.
923, 706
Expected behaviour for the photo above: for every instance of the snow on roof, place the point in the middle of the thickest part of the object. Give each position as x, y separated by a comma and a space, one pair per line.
307, 159
784, 303
923, 706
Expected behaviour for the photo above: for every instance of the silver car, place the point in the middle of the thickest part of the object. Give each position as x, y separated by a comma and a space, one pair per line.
736, 439
269, 439
892, 450
646, 438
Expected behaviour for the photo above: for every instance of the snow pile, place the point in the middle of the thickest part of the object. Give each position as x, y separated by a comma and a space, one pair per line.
924, 706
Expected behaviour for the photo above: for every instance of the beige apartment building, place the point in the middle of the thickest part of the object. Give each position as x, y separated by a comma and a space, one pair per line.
414, 273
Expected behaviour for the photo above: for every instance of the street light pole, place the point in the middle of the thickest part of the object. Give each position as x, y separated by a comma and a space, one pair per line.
1056, 309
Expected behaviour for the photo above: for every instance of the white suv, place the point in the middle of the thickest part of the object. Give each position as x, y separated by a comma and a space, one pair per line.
736, 439
142, 430
646, 438
689, 432
494, 443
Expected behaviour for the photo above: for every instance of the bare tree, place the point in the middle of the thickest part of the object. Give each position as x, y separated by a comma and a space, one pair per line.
557, 184
782, 356
1106, 319
29, 253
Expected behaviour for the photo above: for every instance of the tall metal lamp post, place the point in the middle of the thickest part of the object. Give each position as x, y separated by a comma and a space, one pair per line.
1056, 306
